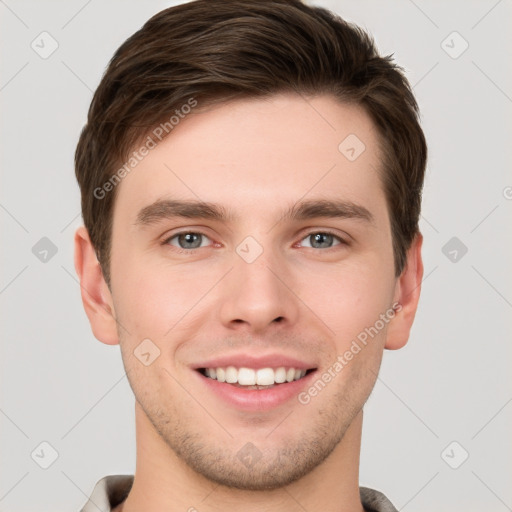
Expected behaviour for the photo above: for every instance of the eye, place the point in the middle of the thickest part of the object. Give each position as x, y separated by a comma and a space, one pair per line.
323, 240
187, 240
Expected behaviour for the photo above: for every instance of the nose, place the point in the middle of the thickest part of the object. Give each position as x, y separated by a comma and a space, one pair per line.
259, 295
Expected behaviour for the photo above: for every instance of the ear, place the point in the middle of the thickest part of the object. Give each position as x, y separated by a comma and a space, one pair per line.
407, 295
96, 296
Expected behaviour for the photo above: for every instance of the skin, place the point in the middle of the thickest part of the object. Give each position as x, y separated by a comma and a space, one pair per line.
254, 157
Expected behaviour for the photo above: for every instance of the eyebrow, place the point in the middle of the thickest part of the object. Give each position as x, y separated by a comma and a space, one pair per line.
311, 209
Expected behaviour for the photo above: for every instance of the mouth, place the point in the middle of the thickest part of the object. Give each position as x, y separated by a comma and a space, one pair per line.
250, 378
255, 389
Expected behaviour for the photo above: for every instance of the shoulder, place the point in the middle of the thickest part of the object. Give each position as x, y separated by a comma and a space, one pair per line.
108, 493
375, 501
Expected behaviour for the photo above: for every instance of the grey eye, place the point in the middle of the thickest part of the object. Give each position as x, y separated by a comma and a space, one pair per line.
321, 240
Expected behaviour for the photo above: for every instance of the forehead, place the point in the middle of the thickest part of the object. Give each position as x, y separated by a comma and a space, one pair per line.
256, 154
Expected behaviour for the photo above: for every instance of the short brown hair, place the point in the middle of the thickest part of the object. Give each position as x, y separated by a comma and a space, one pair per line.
227, 49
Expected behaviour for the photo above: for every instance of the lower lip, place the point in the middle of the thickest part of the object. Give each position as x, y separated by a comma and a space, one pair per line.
257, 399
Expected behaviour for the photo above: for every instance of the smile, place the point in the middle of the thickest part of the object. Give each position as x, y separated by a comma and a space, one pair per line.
261, 378
255, 389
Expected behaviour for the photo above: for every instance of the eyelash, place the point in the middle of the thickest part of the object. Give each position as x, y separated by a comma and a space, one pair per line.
191, 251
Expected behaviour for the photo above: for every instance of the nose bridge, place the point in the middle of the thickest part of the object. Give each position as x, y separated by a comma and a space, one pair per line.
255, 293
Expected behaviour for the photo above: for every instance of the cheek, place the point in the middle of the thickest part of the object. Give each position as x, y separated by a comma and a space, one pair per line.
155, 300
152, 296
350, 298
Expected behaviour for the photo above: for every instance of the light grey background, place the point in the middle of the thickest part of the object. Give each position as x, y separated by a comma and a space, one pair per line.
452, 382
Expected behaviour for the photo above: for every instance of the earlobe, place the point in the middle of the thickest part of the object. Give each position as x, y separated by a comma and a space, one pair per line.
96, 297
407, 294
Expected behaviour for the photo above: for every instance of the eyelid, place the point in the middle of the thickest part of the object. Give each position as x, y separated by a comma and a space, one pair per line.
342, 240
168, 238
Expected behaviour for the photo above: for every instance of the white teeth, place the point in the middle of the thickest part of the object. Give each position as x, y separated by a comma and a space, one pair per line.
231, 374
246, 377
264, 377
250, 377
221, 375
280, 375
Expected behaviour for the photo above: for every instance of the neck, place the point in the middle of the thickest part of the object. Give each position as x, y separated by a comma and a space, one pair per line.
164, 482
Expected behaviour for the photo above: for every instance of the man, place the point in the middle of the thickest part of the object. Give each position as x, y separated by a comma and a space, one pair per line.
251, 177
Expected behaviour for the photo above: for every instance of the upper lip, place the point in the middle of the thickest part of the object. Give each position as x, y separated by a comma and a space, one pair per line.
246, 360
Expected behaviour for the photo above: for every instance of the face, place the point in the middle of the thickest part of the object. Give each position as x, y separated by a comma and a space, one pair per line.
287, 266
